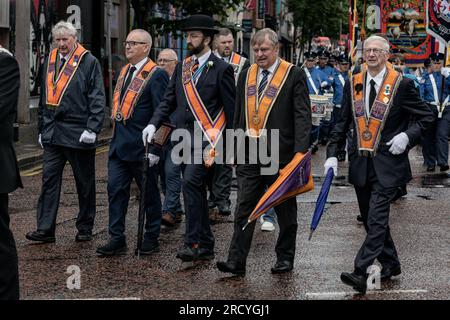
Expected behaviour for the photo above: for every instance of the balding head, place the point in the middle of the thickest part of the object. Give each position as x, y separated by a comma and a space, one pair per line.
167, 59
138, 45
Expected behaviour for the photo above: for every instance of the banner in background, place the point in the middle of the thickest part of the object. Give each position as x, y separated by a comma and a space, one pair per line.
438, 19
404, 23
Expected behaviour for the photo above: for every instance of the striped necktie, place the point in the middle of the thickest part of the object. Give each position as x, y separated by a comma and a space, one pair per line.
263, 83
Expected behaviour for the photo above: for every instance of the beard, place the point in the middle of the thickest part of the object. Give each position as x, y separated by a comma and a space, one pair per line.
196, 50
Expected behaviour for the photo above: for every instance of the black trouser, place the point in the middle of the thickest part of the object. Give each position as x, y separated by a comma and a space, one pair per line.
198, 230
9, 272
219, 185
374, 204
251, 187
336, 117
83, 166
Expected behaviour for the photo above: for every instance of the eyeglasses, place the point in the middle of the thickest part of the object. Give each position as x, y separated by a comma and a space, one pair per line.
132, 43
164, 61
375, 51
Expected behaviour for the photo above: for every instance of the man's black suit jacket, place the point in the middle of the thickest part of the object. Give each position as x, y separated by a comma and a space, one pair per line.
9, 93
391, 170
215, 86
290, 114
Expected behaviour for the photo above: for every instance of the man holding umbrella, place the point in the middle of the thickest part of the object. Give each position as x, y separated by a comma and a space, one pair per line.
139, 90
272, 94
201, 94
378, 155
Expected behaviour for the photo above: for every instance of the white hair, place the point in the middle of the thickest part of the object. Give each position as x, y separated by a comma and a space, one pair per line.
378, 38
64, 28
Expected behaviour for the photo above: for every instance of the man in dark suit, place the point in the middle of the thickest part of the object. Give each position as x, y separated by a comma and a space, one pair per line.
9, 171
70, 116
201, 87
139, 90
286, 110
378, 155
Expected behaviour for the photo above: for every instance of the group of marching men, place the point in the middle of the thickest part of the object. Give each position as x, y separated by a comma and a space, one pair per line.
222, 92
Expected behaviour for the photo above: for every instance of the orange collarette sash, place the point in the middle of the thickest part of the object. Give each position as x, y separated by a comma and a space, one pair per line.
123, 110
368, 128
237, 62
211, 128
57, 82
257, 113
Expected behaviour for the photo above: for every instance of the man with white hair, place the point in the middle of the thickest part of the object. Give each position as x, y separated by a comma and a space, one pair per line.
380, 104
70, 116
139, 89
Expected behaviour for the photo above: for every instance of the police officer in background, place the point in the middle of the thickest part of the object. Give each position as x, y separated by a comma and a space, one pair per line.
435, 146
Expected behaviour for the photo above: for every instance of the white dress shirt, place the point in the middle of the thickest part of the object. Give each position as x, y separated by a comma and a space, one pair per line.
202, 60
378, 82
271, 70
137, 66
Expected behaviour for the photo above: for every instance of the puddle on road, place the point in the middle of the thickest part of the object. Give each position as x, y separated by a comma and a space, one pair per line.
440, 180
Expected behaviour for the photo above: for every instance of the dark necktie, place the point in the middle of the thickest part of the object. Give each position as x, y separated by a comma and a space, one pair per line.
372, 94
263, 83
127, 82
61, 65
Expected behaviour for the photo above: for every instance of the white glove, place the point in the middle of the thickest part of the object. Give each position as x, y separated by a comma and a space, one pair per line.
88, 137
40, 141
152, 160
148, 133
324, 84
398, 143
445, 72
332, 162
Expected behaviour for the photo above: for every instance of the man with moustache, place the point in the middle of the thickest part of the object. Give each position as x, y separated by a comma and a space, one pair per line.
202, 87
139, 90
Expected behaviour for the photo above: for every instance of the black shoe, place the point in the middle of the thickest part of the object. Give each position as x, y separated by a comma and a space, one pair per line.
205, 254
341, 157
225, 212
359, 218
113, 248
282, 266
431, 168
148, 247
314, 149
359, 283
324, 142
83, 236
387, 273
444, 168
230, 268
187, 253
40, 236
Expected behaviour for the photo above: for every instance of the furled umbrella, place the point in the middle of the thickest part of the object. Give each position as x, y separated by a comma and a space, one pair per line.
321, 201
295, 178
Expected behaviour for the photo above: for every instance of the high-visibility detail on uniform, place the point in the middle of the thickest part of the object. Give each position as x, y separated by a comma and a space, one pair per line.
257, 113
123, 110
369, 127
58, 81
211, 128
237, 62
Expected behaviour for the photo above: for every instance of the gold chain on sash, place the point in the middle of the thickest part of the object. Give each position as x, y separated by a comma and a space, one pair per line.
123, 110
368, 128
58, 80
257, 113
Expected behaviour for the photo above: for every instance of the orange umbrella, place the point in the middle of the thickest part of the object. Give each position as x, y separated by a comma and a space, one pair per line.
295, 178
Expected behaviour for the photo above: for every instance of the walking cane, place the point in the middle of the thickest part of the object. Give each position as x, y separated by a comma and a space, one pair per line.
141, 217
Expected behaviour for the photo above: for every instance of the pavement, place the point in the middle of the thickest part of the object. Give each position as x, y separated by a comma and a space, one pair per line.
419, 225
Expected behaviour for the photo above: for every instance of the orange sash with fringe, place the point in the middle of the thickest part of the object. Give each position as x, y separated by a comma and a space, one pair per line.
257, 113
369, 127
58, 81
123, 110
211, 128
